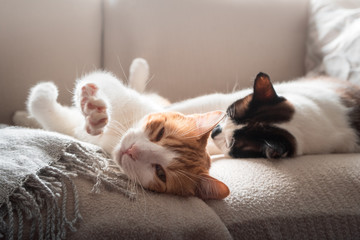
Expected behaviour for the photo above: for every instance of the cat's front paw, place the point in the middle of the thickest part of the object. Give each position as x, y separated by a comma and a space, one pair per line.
94, 109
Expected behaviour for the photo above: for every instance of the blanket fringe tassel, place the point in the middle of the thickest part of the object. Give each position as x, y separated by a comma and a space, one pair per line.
42, 200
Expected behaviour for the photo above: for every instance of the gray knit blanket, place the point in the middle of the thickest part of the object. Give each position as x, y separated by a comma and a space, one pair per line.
36, 186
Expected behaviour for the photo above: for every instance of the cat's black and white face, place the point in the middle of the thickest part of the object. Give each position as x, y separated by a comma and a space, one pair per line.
252, 127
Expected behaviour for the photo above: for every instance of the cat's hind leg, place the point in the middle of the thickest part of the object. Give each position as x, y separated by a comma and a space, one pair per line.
94, 107
43, 106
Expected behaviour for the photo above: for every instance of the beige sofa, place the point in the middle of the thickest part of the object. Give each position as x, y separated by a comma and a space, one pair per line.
193, 47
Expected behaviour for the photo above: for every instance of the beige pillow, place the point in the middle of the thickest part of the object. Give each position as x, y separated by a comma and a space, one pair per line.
333, 45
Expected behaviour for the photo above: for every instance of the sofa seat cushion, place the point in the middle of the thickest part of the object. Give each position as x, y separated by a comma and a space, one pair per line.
110, 215
315, 196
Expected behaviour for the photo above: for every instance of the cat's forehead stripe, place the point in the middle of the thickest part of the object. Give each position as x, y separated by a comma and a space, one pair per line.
153, 127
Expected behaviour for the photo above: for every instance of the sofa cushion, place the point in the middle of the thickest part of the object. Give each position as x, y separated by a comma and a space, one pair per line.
110, 215
315, 196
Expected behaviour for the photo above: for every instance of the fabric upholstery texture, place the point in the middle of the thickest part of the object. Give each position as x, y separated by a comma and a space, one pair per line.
333, 43
110, 215
315, 196
199, 47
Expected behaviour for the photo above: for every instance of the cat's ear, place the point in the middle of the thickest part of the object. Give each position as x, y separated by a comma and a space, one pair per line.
206, 122
211, 188
263, 89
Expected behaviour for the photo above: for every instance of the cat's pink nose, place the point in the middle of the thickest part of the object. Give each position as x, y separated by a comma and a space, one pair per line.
132, 152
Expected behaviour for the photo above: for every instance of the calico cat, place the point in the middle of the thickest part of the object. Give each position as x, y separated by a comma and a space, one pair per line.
161, 150
307, 116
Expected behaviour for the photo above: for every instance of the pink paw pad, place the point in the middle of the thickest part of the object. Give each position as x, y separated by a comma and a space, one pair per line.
94, 109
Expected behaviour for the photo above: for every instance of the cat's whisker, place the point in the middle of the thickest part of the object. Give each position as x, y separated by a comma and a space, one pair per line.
71, 91
119, 125
144, 192
128, 186
149, 80
192, 175
122, 69
235, 85
175, 176
186, 176
134, 178
116, 130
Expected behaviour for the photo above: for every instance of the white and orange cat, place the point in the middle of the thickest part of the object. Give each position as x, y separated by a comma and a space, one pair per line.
161, 150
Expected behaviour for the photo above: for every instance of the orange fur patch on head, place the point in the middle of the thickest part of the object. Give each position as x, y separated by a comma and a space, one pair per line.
187, 136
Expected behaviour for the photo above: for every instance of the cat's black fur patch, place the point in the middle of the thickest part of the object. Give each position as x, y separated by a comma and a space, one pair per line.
277, 111
262, 141
264, 105
259, 112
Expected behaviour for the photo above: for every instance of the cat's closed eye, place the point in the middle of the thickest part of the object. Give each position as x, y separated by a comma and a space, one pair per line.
160, 134
160, 173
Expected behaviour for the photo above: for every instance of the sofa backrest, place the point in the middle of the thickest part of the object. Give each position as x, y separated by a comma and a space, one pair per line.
43, 40
193, 47
199, 46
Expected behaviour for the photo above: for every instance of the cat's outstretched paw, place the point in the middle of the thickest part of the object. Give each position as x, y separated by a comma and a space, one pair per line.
42, 98
94, 109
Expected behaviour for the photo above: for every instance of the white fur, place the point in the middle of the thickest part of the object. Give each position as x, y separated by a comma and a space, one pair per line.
22, 118
139, 75
320, 123
42, 105
224, 140
125, 107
